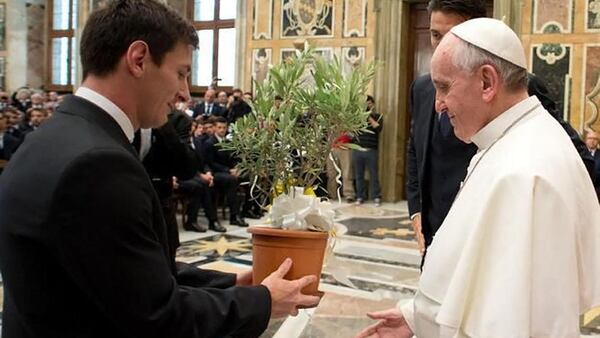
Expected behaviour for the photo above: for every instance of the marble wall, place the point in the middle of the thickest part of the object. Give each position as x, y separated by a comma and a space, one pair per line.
561, 37
343, 28
22, 56
36, 28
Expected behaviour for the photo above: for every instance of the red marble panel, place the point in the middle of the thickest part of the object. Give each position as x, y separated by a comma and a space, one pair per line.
592, 67
552, 12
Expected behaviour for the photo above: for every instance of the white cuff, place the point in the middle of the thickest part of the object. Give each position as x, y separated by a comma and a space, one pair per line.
407, 307
414, 215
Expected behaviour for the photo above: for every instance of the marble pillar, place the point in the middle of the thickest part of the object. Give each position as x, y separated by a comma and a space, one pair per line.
391, 93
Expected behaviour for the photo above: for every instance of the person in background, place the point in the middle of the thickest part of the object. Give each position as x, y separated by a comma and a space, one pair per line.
369, 157
592, 139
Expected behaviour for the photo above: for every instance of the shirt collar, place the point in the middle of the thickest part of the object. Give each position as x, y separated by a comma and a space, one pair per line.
109, 107
494, 129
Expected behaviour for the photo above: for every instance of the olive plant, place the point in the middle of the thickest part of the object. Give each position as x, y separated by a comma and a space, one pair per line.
284, 145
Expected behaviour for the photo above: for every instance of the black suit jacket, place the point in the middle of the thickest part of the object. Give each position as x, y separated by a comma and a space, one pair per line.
10, 145
83, 247
200, 109
218, 160
597, 172
422, 99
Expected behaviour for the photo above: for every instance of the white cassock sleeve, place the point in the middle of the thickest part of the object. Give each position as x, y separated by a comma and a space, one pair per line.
406, 307
529, 265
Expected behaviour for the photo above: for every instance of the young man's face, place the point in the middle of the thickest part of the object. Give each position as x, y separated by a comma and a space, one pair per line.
221, 129
36, 118
440, 23
3, 123
164, 86
592, 140
208, 129
222, 98
12, 118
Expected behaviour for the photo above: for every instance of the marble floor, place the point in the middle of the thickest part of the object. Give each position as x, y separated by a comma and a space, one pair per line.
375, 264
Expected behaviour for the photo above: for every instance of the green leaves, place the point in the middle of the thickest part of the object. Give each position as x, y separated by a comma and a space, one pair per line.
288, 144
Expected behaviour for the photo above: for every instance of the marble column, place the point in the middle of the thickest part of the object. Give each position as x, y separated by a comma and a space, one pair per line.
510, 12
391, 92
240, 45
36, 42
16, 44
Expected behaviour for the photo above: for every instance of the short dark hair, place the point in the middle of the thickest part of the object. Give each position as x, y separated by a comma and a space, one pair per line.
111, 29
31, 110
370, 99
470, 9
220, 119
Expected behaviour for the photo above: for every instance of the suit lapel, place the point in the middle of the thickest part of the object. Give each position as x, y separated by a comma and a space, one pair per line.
428, 114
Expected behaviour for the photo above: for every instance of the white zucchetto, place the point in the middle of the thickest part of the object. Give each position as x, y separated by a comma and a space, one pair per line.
494, 36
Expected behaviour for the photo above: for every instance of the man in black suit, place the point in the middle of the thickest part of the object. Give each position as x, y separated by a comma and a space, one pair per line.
87, 254
33, 119
8, 143
13, 117
222, 164
199, 188
164, 154
209, 107
592, 140
437, 161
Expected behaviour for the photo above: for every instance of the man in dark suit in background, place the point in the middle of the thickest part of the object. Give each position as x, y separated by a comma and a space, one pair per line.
437, 161
222, 164
209, 107
592, 140
8, 143
164, 154
87, 254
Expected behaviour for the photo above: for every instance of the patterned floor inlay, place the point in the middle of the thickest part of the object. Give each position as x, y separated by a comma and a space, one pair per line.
397, 227
213, 248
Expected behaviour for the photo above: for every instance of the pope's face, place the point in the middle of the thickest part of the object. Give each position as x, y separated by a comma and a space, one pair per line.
458, 93
440, 23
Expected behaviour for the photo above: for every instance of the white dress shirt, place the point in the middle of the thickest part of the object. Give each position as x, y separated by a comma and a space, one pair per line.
110, 108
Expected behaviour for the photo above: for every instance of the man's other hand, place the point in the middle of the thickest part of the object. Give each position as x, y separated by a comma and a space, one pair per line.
243, 278
391, 324
416, 225
286, 295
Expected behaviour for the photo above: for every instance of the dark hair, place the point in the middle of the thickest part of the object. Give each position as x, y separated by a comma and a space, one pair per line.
220, 119
31, 110
470, 9
111, 29
10, 109
278, 97
370, 99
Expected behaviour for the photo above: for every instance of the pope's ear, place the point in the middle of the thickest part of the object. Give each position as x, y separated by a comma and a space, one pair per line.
136, 57
490, 82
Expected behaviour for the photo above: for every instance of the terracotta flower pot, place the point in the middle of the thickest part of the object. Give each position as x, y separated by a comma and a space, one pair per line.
270, 247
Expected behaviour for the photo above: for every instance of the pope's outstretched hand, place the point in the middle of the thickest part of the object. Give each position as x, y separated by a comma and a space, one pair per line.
391, 324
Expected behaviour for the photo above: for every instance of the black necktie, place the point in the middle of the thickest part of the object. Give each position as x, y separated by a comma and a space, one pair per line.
137, 141
445, 126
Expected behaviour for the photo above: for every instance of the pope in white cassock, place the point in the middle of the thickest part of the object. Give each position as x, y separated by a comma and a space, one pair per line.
519, 253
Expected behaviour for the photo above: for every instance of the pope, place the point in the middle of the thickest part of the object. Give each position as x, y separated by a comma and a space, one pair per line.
519, 253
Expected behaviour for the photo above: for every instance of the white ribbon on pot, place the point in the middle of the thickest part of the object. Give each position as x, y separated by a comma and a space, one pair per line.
296, 211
